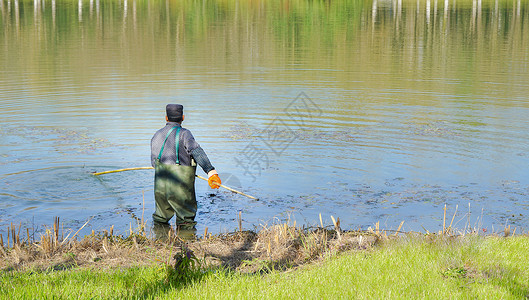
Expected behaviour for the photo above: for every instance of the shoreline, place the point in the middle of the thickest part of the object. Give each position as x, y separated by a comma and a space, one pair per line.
281, 246
277, 262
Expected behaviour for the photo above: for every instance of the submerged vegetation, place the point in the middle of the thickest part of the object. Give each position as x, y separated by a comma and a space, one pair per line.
281, 260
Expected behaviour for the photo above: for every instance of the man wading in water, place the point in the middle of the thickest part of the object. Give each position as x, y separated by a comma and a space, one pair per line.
174, 156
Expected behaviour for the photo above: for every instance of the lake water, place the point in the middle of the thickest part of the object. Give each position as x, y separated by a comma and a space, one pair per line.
370, 111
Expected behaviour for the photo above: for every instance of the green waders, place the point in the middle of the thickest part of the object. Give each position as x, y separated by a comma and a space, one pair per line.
174, 190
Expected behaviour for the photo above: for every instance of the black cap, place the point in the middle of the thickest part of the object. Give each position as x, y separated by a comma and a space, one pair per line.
174, 112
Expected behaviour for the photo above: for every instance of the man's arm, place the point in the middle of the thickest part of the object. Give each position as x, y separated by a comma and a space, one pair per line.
194, 149
202, 159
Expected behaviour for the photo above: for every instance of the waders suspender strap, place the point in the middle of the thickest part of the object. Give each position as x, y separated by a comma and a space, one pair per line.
176, 142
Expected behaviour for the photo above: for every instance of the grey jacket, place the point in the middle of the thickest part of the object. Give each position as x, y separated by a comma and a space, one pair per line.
188, 148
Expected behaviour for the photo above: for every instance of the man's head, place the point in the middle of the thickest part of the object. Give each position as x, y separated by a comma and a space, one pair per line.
175, 113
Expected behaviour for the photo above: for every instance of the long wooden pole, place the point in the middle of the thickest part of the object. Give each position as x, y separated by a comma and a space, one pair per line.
148, 168
121, 170
229, 188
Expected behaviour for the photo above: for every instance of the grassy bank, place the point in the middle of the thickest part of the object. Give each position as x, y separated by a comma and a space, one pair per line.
491, 268
344, 266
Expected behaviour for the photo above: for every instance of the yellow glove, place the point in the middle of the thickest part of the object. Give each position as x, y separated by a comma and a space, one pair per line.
214, 180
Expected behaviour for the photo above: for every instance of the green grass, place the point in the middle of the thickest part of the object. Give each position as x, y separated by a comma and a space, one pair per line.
439, 268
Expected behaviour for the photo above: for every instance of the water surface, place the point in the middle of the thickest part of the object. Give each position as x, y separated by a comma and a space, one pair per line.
370, 111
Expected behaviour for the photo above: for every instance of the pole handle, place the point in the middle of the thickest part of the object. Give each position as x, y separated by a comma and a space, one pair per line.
229, 188
148, 168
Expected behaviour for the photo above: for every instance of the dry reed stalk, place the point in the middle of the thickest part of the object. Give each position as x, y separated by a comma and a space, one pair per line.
45, 242
425, 230
325, 240
337, 228
514, 232
65, 239
49, 241
321, 221
206, 233
481, 219
269, 251
2, 251
333, 221
79, 230
444, 220
105, 245
143, 211
8, 246
240, 221
10, 234
112, 230
400, 226
452, 221
18, 235
27, 232
370, 230
13, 235
507, 231
135, 243
468, 218
55, 230
377, 228
292, 230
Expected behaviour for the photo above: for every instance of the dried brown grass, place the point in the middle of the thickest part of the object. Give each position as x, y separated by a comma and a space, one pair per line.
278, 246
